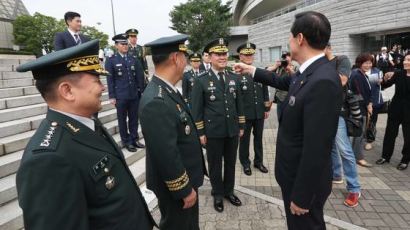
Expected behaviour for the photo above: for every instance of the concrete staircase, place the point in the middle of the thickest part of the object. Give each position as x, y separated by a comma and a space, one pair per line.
21, 111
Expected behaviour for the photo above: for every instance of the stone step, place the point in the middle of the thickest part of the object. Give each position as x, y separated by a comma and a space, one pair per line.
11, 214
17, 142
18, 91
6, 75
13, 102
9, 163
16, 82
33, 110
8, 190
29, 123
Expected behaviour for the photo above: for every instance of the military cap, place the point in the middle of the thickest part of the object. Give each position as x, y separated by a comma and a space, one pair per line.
219, 45
247, 48
120, 38
132, 32
167, 45
195, 57
80, 58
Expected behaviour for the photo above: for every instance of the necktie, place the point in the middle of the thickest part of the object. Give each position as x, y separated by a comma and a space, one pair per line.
221, 79
77, 39
98, 128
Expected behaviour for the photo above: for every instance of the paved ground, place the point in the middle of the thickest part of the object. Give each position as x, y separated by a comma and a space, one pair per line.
385, 202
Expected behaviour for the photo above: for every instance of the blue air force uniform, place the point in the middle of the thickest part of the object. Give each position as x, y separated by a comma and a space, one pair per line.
125, 85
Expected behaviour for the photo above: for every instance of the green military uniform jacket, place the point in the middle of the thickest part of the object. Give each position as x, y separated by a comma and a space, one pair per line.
255, 98
71, 177
138, 53
218, 111
188, 82
174, 160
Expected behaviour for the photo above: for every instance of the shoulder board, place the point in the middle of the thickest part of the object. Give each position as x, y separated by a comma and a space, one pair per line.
160, 94
49, 138
203, 74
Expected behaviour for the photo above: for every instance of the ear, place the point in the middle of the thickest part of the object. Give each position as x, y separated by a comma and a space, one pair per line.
300, 39
65, 91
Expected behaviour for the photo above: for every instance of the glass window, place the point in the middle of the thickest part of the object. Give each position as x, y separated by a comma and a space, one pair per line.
275, 53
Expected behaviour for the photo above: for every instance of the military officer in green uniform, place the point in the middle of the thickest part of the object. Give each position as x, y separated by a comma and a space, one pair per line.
219, 118
72, 173
190, 76
137, 51
174, 162
256, 107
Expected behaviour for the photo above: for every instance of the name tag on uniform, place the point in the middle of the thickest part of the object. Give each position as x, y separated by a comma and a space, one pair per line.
292, 100
118, 64
231, 82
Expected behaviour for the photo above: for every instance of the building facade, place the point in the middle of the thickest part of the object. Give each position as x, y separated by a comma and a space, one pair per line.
357, 26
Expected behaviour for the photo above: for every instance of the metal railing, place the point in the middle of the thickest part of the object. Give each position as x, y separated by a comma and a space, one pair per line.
285, 10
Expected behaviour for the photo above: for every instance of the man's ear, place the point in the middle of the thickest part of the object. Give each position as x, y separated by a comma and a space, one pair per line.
65, 91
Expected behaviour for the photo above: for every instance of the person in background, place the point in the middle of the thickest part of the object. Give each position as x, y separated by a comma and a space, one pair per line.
206, 62
399, 114
342, 148
71, 36
384, 60
360, 85
189, 77
375, 78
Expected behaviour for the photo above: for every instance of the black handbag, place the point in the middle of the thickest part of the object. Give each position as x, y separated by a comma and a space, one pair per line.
354, 127
385, 107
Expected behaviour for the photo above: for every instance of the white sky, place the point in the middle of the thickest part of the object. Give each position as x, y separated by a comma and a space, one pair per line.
150, 17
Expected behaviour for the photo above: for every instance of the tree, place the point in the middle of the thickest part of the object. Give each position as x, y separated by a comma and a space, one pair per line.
202, 20
93, 33
36, 33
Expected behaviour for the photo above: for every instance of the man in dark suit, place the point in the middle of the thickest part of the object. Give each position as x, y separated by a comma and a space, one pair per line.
125, 84
72, 174
71, 36
175, 166
308, 123
206, 62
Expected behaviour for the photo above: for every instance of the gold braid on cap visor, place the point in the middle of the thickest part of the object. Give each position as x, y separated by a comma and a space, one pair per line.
219, 49
183, 48
247, 51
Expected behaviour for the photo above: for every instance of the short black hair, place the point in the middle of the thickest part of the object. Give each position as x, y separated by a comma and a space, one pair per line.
47, 86
68, 16
314, 26
159, 58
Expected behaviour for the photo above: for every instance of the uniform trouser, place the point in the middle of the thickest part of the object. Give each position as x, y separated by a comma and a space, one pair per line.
216, 149
127, 108
173, 216
392, 130
313, 220
257, 126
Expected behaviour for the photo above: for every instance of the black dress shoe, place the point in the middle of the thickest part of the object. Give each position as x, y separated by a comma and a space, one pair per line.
381, 161
234, 200
402, 166
139, 145
261, 168
218, 204
131, 148
247, 170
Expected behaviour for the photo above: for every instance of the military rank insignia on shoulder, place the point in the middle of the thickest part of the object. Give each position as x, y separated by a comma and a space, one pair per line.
160, 92
202, 74
50, 138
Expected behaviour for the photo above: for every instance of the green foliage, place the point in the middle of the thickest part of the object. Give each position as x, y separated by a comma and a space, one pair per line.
36, 33
93, 33
202, 20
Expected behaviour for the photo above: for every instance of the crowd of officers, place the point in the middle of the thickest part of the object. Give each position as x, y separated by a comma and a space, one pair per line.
77, 171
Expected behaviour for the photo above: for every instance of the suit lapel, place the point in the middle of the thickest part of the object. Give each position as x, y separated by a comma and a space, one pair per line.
71, 38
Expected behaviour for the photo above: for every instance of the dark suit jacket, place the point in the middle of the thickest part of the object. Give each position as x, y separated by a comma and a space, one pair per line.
64, 40
400, 104
61, 182
359, 84
307, 129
